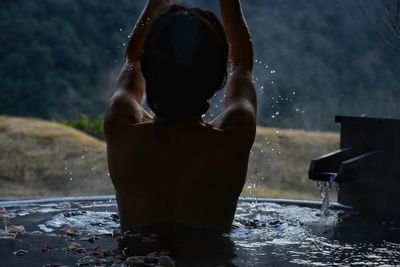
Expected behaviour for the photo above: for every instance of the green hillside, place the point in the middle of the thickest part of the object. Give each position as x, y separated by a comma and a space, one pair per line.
315, 58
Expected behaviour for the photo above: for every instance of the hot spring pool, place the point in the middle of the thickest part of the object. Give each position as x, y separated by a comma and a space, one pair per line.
84, 232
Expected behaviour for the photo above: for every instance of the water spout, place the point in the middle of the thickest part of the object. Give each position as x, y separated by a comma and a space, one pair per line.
325, 189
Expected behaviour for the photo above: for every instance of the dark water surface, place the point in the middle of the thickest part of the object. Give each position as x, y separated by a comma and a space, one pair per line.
86, 233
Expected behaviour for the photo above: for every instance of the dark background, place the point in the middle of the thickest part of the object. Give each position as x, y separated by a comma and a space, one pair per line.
314, 59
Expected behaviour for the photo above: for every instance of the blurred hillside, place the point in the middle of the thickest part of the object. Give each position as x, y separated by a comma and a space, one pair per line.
42, 158
315, 59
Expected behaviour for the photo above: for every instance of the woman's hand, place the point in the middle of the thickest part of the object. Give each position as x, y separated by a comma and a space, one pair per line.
161, 2
135, 44
158, 5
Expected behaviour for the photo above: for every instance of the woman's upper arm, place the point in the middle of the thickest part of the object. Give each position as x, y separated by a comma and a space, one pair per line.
240, 111
241, 100
123, 111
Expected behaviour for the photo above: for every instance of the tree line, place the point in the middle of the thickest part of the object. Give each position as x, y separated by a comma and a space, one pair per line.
314, 59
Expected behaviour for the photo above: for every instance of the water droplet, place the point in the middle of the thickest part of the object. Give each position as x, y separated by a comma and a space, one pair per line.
297, 110
277, 113
83, 157
272, 82
120, 29
277, 131
70, 178
294, 93
273, 116
273, 71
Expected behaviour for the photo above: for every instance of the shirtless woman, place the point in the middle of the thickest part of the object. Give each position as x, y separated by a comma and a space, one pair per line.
175, 168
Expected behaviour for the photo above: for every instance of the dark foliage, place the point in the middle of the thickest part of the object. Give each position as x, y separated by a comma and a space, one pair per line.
57, 57
55, 54
93, 127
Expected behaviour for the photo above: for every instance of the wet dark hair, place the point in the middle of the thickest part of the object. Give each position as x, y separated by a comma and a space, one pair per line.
184, 62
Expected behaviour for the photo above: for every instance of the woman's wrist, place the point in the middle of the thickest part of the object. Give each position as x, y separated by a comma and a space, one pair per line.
135, 45
157, 6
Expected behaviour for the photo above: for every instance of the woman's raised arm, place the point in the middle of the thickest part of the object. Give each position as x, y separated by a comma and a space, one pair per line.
124, 108
131, 78
237, 32
241, 99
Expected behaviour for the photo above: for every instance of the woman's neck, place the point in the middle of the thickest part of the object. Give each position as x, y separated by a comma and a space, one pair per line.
190, 121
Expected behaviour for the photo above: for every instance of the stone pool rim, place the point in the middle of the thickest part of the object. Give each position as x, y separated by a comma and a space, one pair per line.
4, 203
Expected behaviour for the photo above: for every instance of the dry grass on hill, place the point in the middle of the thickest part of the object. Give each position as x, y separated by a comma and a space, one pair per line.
280, 160
39, 158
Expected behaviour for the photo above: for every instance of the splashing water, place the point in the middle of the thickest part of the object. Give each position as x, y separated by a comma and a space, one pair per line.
81, 233
324, 190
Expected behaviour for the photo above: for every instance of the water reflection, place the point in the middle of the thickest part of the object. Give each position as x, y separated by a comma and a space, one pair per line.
188, 247
263, 234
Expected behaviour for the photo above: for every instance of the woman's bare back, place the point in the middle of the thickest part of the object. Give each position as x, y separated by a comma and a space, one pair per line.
184, 173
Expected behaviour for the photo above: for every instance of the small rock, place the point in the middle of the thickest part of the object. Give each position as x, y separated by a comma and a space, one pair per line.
151, 258
71, 231
116, 233
4, 214
164, 252
97, 252
15, 229
20, 252
166, 261
104, 235
6, 235
76, 247
135, 261
110, 253
64, 205
85, 261
89, 239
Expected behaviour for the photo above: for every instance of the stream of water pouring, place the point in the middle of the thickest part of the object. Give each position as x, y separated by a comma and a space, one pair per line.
324, 190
